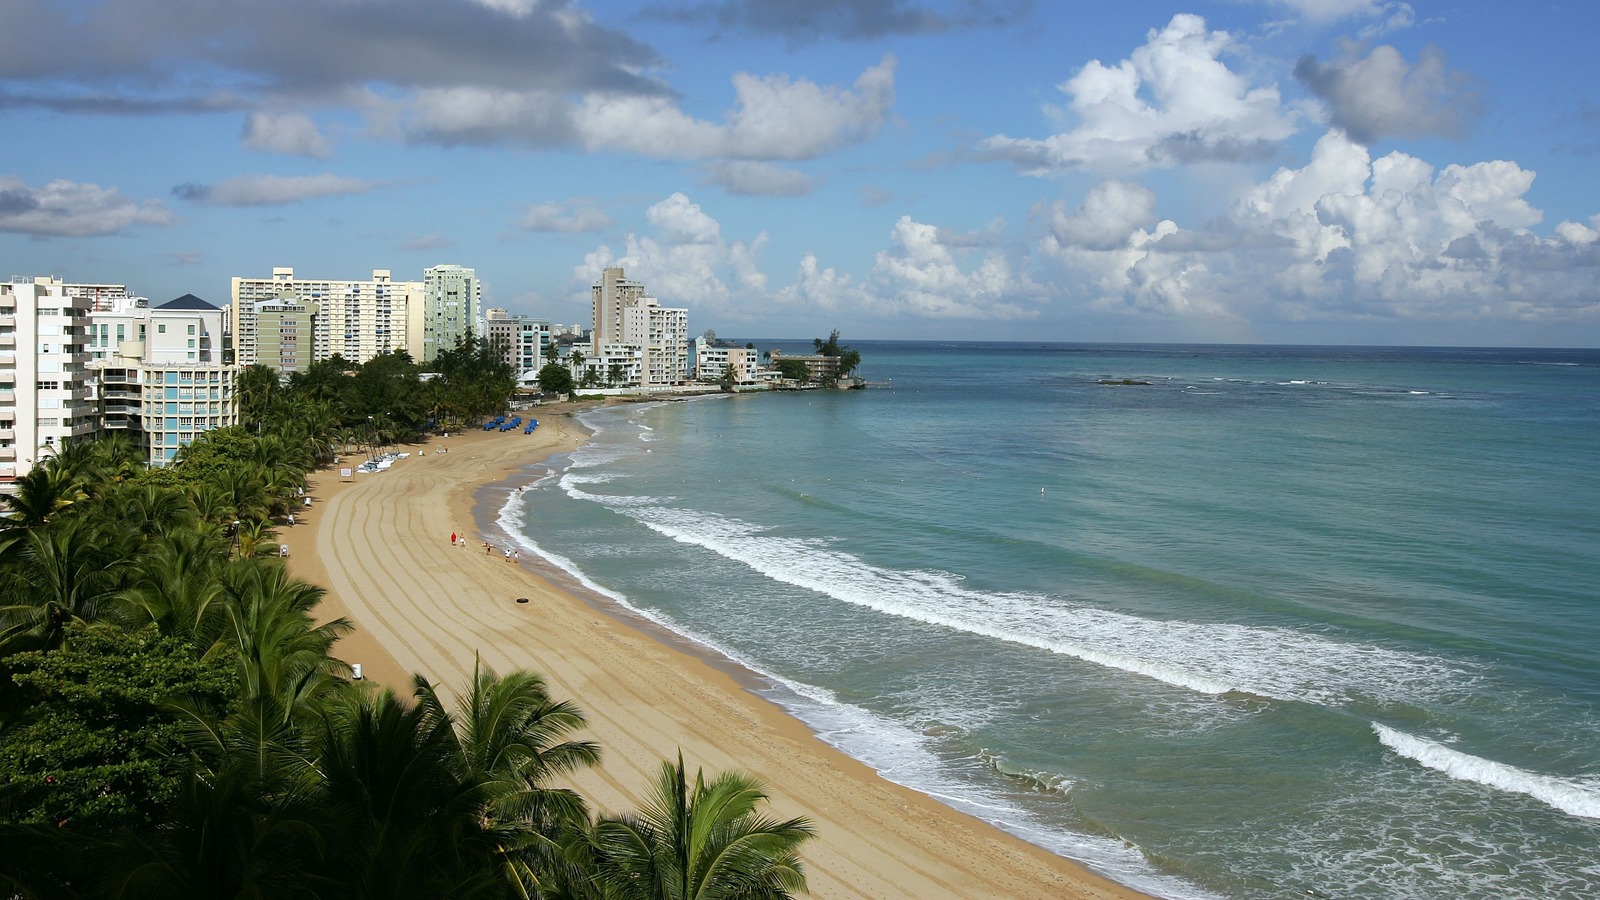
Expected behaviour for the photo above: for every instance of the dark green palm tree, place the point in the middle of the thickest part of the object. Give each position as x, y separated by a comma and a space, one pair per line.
41, 495
699, 842
178, 587
66, 571
510, 739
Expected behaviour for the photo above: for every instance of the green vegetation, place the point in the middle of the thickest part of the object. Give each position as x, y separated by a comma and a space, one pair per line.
556, 379
848, 357
793, 369
173, 724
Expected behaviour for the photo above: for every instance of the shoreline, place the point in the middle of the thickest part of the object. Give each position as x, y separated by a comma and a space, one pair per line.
380, 545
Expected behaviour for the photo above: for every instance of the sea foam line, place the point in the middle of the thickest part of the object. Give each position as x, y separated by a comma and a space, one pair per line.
895, 751
1570, 796
1208, 658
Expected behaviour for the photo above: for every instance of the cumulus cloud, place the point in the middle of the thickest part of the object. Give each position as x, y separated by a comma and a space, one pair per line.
575, 216
920, 275
272, 190
71, 209
1344, 237
1108, 218
773, 118
804, 21
1173, 101
289, 133
751, 178
1380, 96
686, 261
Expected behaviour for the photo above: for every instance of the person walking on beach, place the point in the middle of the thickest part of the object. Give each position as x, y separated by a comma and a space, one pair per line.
452, 538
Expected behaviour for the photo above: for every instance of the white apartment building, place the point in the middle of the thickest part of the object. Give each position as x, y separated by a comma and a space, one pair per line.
611, 294
185, 330
160, 372
626, 315
353, 319
451, 296
713, 357
44, 392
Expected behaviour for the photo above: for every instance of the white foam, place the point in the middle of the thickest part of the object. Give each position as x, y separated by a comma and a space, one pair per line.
1569, 795
1209, 658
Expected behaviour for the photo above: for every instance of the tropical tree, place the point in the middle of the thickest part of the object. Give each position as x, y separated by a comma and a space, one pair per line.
702, 841
68, 571
555, 379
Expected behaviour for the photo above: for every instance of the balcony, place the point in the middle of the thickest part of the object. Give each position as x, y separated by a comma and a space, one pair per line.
8, 454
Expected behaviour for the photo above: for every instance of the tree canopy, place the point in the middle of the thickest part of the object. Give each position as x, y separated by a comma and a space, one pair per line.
173, 722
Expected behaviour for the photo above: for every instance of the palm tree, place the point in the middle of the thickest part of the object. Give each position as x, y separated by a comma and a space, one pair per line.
67, 571
703, 843
510, 737
178, 588
45, 492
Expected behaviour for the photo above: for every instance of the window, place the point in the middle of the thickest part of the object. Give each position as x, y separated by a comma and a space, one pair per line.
162, 328
191, 331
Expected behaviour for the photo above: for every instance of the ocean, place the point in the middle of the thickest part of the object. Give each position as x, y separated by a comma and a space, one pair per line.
1267, 622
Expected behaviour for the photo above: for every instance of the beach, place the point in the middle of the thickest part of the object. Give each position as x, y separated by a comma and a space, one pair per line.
380, 544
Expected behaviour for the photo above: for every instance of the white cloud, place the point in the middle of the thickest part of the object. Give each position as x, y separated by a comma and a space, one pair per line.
1108, 218
574, 216
773, 118
71, 209
289, 133
1381, 96
1344, 237
687, 262
920, 276
273, 190
758, 179
1173, 101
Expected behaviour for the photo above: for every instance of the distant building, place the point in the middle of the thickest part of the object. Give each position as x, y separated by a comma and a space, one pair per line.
625, 315
819, 368
451, 296
524, 340
163, 380
356, 320
45, 397
713, 358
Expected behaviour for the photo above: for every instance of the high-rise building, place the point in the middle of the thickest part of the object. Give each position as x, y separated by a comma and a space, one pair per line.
451, 296
160, 374
524, 340
612, 293
626, 315
356, 320
45, 398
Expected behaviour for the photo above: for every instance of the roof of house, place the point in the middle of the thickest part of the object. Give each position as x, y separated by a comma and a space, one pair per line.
188, 301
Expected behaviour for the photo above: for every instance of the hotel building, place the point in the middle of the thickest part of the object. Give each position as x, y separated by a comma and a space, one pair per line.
626, 316
45, 398
451, 296
287, 322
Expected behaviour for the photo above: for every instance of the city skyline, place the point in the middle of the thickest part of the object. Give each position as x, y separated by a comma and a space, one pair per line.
1273, 171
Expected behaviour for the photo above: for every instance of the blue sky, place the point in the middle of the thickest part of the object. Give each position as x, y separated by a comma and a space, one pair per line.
1284, 171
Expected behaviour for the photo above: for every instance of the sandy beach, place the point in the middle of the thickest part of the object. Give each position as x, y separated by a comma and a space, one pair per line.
381, 546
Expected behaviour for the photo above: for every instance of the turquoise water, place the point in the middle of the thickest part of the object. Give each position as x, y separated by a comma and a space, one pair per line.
1282, 621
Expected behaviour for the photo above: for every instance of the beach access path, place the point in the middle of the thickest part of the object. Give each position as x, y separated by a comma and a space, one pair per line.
380, 545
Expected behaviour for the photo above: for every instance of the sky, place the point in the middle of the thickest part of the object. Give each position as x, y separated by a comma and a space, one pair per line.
1241, 171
